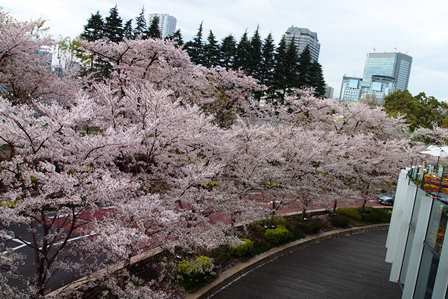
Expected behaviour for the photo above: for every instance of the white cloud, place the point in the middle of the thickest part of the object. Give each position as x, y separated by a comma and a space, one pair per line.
347, 29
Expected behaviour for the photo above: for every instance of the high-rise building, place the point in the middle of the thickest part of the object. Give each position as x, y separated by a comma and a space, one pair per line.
392, 65
303, 38
167, 23
350, 89
384, 73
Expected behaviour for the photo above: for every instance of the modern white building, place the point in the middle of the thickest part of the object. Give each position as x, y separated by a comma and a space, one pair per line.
416, 243
167, 23
303, 38
350, 89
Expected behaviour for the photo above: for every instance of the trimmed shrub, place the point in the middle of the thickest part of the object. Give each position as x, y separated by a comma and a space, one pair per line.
195, 273
278, 235
340, 221
311, 226
221, 255
352, 213
371, 215
279, 220
243, 249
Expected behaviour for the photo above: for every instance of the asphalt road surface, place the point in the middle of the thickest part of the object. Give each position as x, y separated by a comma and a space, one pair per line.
348, 267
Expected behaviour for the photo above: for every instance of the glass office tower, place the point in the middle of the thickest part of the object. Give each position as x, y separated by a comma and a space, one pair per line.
393, 65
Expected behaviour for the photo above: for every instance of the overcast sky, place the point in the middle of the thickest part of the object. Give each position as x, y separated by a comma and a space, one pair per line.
347, 29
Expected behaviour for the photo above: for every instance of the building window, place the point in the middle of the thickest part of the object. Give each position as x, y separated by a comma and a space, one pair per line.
429, 263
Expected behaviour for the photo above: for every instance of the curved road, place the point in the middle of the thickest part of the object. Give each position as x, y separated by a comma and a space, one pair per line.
348, 267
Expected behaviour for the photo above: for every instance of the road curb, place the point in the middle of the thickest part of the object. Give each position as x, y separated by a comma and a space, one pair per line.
234, 273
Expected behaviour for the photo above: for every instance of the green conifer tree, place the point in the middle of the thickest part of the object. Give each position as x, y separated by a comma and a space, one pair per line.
279, 84
291, 60
176, 37
211, 51
140, 25
154, 28
255, 55
127, 30
228, 52
195, 48
267, 64
94, 29
305, 69
243, 51
318, 79
113, 27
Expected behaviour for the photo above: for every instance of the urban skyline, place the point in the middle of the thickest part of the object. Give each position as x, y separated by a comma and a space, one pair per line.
347, 29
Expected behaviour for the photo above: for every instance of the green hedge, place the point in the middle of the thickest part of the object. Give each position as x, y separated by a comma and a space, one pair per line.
371, 215
352, 213
340, 221
243, 249
278, 235
311, 226
195, 273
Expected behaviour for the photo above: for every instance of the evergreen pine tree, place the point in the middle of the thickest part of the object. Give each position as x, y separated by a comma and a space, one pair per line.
243, 51
127, 30
211, 51
228, 52
291, 60
140, 25
176, 37
195, 48
318, 79
280, 69
94, 29
255, 55
113, 28
267, 64
154, 28
305, 69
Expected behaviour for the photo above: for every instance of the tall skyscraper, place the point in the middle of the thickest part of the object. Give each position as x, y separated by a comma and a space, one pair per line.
384, 73
302, 38
167, 23
393, 65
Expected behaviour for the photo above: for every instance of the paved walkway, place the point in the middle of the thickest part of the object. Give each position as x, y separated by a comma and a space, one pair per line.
348, 267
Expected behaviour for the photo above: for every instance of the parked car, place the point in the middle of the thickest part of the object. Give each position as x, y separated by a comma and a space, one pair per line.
386, 199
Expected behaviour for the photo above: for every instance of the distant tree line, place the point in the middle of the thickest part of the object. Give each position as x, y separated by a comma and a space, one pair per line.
116, 30
281, 68
420, 111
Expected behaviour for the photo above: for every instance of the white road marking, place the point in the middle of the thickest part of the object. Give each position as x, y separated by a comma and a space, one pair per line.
24, 244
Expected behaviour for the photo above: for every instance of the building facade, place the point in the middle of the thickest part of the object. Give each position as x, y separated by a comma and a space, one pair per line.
302, 38
416, 244
384, 73
167, 23
350, 89
392, 65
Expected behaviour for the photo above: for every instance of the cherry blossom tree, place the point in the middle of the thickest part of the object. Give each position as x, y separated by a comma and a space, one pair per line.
155, 151
25, 71
224, 94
